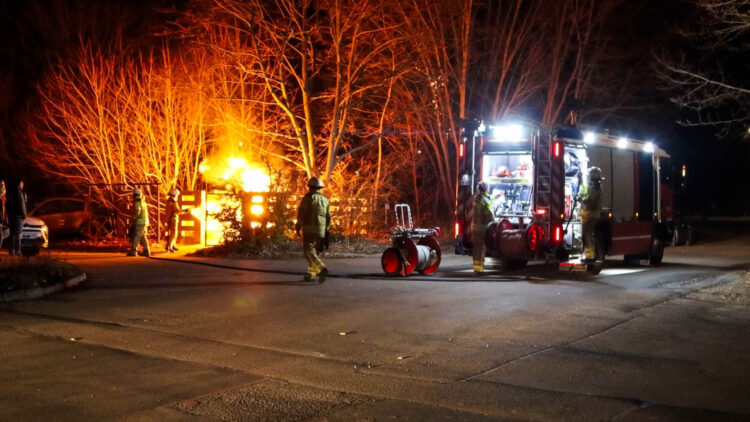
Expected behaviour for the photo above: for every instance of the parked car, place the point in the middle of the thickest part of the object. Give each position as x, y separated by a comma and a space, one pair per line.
63, 215
34, 237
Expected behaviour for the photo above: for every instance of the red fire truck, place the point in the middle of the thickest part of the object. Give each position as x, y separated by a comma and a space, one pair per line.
534, 175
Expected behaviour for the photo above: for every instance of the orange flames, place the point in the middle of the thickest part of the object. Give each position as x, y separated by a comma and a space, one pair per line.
237, 171
231, 173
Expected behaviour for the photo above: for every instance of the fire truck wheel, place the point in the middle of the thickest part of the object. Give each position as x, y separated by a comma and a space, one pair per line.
657, 252
595, 268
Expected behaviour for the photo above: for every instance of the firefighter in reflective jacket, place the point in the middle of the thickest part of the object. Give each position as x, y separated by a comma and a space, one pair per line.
591, 208
173, 220
314, 218
482, 217
139, 224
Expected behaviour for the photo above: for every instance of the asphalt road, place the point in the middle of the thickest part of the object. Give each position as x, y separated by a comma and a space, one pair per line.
155, 339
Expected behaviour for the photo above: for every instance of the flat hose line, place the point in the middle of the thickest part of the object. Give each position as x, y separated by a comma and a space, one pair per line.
352, 276
258, 270
232, 267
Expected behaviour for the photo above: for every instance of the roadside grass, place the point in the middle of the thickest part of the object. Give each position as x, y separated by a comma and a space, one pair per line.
110, 244
26, 273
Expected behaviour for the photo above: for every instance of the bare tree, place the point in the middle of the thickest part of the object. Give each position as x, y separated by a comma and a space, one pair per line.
578, 43
106, 119
708, 80
319, 63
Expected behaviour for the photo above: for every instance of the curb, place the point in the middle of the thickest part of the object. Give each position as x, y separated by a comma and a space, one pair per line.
38, 292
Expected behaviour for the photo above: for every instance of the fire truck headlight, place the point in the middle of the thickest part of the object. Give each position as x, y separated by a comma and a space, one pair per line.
507, 133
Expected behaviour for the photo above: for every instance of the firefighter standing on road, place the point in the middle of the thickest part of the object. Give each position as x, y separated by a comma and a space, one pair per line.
591, 208
173, 215
482, 217
16, 213
314, 218
3, 220
139, 225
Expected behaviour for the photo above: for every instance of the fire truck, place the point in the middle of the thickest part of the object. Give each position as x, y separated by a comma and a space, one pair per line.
535, 174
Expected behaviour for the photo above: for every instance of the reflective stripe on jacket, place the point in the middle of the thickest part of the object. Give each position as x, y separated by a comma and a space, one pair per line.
591, 201
482, 212
140, 212
313, 214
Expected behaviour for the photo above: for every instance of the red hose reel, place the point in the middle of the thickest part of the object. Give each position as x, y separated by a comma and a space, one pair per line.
518, 243
413, 248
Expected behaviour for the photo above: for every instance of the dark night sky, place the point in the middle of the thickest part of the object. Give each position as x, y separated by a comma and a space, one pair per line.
31, 38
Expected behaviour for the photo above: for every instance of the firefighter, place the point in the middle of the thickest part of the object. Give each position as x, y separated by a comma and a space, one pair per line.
173, 215
139, 225
591, 208
314, 218
16, 214
3, 220
482, 217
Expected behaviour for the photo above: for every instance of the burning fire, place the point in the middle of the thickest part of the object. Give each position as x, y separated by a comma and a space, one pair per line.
250, 176
232, 171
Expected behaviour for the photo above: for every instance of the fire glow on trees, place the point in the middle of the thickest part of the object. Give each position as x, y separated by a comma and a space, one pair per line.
359, 93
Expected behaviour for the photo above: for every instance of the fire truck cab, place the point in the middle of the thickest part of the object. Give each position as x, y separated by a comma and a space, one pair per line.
535, 175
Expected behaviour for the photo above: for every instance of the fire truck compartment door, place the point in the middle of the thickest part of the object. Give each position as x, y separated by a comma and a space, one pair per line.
631, 237
618, 187
623, 184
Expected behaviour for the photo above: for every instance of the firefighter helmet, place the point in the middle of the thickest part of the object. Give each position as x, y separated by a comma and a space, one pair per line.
482, 186
315, 183
137, 192
595, 174
174, 193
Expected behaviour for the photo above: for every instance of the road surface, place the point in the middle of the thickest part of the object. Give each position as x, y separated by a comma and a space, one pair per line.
243, 340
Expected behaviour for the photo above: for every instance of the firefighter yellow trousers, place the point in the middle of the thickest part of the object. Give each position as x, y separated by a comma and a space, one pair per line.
314, 264
588, 229
478, 250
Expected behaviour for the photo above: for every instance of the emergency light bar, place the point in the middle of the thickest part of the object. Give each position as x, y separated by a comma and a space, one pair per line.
507, 133
606, 140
